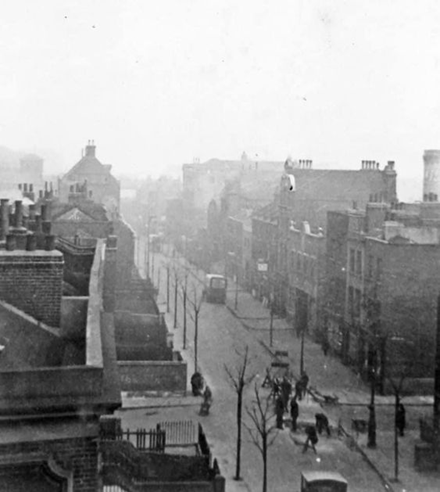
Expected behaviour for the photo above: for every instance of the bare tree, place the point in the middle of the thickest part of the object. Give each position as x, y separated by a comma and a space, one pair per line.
263, 431
184, 289
239, 380
175, 274
196, 301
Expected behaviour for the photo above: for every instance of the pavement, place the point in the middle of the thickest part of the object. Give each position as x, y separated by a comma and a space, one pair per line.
328, 376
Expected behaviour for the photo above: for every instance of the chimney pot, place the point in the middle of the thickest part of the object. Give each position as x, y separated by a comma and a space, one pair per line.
10, 242
32, 211
47, 226
20, 240
31, 242
18, 213
50, 243
44, 212
38, 223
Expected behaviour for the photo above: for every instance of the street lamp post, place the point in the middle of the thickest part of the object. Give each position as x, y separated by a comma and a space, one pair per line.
168, 288
271, 326
150, 217
236, 293
372, 409
301, 360
185, 290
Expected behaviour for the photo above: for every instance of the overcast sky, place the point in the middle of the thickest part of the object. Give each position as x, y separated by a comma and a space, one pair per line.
158, 83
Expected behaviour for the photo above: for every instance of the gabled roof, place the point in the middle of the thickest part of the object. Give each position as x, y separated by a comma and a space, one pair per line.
94, 211
88, 165
75, 215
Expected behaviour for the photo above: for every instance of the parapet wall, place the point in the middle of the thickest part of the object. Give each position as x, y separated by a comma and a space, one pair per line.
32, 281
158, 376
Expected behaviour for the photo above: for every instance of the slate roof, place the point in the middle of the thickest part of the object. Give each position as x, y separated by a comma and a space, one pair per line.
88, 165
93, 210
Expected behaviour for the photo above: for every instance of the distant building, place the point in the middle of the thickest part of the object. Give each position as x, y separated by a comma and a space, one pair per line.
25, 179
318, 191
205, 181
91, 179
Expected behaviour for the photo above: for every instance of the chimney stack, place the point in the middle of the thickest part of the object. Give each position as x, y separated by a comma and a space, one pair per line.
90, 148
43, 212
4, 218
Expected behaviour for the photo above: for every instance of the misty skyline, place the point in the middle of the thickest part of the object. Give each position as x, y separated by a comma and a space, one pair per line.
158, 84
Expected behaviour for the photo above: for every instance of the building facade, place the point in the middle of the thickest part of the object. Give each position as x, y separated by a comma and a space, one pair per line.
91, 178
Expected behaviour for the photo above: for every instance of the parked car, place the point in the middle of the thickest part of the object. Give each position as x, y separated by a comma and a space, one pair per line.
323, 481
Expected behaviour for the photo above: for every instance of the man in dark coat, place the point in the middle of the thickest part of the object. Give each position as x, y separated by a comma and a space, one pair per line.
312, 438
279, 412
197, 383
322, 423
401, 419
294, 413
286, 389
299, 390
305, 382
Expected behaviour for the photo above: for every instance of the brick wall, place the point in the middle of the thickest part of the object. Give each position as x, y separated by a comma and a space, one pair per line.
32, 281
69, 229
407, 287
125, 251
153, 375
80, 455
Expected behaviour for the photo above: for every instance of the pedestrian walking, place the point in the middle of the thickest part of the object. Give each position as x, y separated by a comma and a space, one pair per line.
286, 389
207, 401
401, 419
322, 423
305, 382
325, 345
276, 388
279, 412
294, 413
197, 383
299, 390
312, 438
207, 395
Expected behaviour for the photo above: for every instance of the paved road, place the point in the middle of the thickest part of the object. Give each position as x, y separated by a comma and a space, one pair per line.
221, 339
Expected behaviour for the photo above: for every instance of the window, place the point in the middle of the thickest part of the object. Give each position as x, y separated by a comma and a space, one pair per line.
370, 266
350, 300
378, 268
352, 260
218, 283
359, 262
357, 303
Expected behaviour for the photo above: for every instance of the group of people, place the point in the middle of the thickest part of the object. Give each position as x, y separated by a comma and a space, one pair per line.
283, 392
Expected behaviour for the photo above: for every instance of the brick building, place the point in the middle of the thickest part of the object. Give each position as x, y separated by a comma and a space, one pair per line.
382, 289
305, 278
91, 178
305, 196
57, 363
